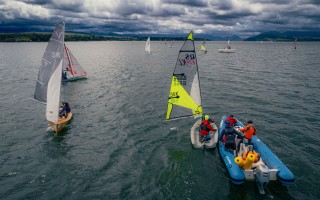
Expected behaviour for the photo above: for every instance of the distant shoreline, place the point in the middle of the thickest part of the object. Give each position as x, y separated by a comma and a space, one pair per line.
44, 37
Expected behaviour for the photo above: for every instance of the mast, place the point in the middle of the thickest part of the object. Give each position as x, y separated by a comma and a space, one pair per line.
69, 59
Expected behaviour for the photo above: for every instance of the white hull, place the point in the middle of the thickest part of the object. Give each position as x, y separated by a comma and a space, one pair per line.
195, 136
227, 50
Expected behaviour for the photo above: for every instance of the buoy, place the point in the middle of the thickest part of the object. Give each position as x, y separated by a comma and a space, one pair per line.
244, 156
239, 161
248, 162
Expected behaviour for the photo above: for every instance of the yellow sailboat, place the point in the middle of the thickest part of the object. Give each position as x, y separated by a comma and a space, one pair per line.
203, 48
185, 96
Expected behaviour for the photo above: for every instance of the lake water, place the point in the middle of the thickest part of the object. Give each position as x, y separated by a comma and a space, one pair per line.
118, 145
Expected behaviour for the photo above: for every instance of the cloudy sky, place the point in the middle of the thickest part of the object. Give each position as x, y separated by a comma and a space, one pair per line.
213, 17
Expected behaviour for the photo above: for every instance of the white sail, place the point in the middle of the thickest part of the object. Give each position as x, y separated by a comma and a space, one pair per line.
53, 95
148, 48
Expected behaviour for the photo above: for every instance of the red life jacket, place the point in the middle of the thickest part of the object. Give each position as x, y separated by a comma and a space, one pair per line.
205, 127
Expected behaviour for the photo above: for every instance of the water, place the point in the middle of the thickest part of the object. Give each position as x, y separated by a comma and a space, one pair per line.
118, 146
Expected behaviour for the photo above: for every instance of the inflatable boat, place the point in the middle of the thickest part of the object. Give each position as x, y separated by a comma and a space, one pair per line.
255, 162
196, 139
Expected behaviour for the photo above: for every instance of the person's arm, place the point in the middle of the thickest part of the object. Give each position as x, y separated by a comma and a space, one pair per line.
243, 129
211, 128
237, 133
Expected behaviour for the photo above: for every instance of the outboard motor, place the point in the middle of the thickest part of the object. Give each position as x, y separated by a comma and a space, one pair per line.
262, 177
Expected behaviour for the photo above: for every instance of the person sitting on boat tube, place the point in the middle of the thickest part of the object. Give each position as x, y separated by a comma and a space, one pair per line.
232, 120
205, 128
229, 136
248, 131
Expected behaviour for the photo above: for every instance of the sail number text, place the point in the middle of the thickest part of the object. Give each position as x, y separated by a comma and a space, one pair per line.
188, 60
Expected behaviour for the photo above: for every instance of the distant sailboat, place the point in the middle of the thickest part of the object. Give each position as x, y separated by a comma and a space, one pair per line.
171, 45
72, 69
48, 85
227, 49
203, 48
185, 96
148, 48
295, 44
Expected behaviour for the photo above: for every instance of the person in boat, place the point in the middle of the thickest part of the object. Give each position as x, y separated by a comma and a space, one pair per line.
64, 75
248, 131
206, 127
228, 47
64, 109
229, 135
232, 120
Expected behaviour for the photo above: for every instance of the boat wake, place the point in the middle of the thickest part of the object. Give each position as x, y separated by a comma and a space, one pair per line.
49, 129
174, 128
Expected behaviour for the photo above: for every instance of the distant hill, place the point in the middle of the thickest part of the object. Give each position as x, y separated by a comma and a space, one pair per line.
44, 37
286, 36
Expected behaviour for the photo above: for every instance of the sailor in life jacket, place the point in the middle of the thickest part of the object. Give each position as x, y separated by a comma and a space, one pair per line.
205, 127
249, 130
228, 136
232, 120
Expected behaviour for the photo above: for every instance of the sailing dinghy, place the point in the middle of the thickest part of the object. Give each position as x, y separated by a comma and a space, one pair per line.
48, 85
295, 44
203, 48
185, 93
72, 69
227, 49
148, 48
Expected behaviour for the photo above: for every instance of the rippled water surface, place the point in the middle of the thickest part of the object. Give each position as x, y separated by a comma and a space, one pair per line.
118, 146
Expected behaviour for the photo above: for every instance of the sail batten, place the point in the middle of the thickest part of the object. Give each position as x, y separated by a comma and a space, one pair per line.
184, 92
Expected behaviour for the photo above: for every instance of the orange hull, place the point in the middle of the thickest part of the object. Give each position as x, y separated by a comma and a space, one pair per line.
58, 126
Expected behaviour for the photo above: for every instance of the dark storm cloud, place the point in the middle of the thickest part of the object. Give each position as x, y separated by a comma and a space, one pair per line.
160, 16
191, 3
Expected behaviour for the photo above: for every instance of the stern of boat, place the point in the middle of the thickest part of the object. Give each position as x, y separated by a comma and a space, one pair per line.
58, 126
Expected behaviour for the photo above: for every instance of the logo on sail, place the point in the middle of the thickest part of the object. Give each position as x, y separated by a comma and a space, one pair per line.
45, 63
173, 95
56, 54
182, 78
188, 60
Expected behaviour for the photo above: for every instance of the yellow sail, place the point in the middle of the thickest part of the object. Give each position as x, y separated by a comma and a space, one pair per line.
180, 97
202, 48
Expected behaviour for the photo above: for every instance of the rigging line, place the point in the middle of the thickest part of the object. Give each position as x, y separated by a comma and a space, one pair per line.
35, 100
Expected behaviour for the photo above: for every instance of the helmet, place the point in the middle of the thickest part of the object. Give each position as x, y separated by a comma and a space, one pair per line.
249, 121
206, 117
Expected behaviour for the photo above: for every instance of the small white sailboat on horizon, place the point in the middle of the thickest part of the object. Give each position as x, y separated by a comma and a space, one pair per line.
48, 85
171, 45
227, 49
185, 94
295, 44
148, 46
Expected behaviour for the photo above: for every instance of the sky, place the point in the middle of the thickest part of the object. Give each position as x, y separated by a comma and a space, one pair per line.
213, 17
